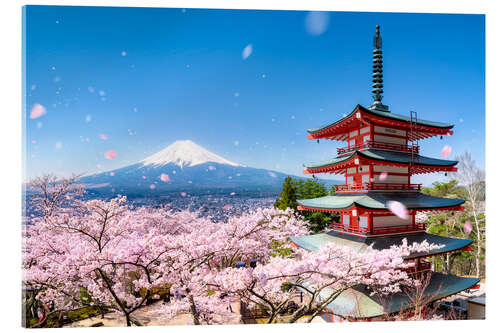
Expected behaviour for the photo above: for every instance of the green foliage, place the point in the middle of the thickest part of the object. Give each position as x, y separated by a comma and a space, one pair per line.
288, 195
445, 189
297, 189
452, 224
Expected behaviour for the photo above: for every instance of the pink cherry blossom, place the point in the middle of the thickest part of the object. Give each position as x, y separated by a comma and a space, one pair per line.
110, 154
164, 177
232, 193
183, 194
467, 227
398, 209
382, 176
446, 151
37, 110
143, 177
111, 173
103, 136
152, 186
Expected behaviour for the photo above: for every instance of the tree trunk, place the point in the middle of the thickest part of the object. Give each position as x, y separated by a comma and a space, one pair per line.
478, 233
194, 312
297, 314
127, 317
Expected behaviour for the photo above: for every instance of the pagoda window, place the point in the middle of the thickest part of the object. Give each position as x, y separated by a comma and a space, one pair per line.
363, 221
391, 169
390, 131
363, 168
351, 170
390, 221
366, 138
364, 130
346, 219
352, 143
353, 134
389, 139
350, 180
365, 178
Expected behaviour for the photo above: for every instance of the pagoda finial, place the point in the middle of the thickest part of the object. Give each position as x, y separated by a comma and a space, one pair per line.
378, 81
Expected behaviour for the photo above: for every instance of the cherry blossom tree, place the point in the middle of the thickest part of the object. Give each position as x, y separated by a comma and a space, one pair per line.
104, 247
322, 275
210, 249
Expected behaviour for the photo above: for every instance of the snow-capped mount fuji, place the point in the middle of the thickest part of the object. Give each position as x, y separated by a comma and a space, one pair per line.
184, 153
184, 166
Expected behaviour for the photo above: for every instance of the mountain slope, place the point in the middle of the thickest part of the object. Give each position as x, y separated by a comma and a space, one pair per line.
184, 166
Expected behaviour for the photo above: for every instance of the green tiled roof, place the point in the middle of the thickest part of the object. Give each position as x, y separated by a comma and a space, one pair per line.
357, 302
360, 244
378, 200
384, 114
383, 155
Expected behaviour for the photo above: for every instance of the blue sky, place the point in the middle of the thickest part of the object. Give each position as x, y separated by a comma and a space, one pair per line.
146, 77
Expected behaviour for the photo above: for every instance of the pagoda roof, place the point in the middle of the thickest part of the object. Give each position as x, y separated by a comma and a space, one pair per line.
385, 156
357, 302
382, 117
360, 244
377, 201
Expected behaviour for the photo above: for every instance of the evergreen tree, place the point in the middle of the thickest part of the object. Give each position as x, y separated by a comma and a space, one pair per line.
288, 195
297, 189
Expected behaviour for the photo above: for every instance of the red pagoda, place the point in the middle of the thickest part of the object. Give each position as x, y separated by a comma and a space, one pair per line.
380, 157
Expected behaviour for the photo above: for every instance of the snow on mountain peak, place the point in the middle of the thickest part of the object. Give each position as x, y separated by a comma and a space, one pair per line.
184, 153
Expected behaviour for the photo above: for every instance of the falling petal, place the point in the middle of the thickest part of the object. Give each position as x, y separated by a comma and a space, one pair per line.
183, 194
398, 209
232, 193
164, 177
317, 22
103, 136
37, 110
238, 174
33, 142
467, 227
110, 154
382, 176
190, 181
446, 151
174, 172
124, 53
88, 118
111, 173
211, 168
152, 186
143, 177
236, 143
272, 174
247, 51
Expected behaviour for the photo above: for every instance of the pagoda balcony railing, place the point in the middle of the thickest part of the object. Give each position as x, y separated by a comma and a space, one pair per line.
393, 229
420, 266
363, 187
379, 145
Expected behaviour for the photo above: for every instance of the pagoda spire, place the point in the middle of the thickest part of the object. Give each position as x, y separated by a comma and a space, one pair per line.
378, 81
